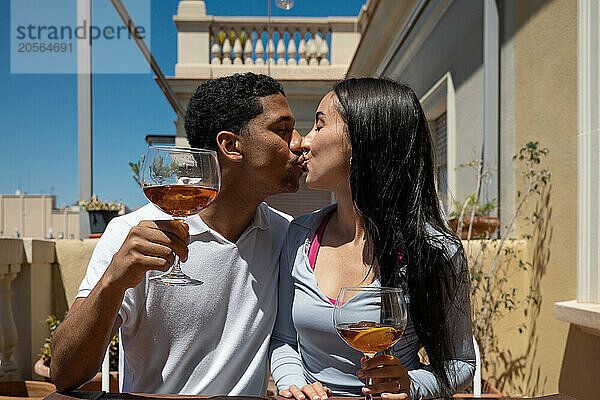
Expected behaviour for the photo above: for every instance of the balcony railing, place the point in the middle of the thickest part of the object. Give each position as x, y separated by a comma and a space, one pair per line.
238, 45
286, 47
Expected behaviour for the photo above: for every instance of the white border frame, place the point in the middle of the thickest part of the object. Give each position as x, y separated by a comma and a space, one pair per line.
588, 151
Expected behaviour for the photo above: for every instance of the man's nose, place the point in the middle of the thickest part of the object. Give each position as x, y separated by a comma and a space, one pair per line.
296, 142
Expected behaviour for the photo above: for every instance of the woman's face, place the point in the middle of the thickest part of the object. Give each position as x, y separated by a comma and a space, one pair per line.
327, 148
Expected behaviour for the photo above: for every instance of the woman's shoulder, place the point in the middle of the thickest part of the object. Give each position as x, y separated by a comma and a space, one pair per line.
305, 226
311, 221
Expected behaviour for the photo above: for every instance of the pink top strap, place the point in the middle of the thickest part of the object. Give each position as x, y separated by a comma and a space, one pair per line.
315, 245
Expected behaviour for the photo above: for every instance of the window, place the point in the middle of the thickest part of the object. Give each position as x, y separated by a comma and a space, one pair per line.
438, 104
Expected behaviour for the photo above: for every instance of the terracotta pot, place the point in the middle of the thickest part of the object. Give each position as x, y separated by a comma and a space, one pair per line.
487, 392
41, 369
482, 226
94, 385
25, 390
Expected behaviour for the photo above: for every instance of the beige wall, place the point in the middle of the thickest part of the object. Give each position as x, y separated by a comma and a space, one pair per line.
545, 59
72, 257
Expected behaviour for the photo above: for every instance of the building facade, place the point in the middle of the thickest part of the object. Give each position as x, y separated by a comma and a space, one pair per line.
492, 76
36, 216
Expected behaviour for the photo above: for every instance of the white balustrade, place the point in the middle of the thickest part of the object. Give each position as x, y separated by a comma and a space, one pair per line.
281, 49
9, 330
302, 50
237, 45
25, 302
291, 50
10, 265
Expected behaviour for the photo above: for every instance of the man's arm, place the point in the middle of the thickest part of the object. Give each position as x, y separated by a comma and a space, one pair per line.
79, 343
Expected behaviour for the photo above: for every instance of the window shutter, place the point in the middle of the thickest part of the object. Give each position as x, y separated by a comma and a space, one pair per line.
438, 133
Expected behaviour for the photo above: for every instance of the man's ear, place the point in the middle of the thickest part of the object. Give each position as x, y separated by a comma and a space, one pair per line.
230, 145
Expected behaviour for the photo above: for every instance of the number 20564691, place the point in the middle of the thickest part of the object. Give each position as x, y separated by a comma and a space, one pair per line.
34, 47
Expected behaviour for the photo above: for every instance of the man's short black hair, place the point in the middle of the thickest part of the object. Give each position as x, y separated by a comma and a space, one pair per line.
226, 104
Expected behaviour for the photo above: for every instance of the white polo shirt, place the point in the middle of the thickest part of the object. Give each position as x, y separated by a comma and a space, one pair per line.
207, 339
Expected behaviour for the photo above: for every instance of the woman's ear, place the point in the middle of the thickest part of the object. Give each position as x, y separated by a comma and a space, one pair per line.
230, 145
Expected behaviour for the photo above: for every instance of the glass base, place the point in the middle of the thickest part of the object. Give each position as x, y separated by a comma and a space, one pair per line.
175, 278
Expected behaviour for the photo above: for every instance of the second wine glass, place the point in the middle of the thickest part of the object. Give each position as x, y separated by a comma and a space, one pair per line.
181, 181
370, 319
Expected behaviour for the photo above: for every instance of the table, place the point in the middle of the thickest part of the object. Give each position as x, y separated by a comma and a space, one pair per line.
77, 395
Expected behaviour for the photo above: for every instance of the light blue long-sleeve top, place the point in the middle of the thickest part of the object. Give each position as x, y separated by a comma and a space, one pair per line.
305, 346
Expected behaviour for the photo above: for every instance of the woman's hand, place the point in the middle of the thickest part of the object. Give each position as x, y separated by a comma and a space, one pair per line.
390, 378
316, 391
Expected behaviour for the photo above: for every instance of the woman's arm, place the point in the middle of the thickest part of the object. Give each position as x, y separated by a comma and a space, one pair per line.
286, 365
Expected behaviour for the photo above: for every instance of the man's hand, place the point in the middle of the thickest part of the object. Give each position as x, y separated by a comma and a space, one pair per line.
316, 391
390, 378
151, 245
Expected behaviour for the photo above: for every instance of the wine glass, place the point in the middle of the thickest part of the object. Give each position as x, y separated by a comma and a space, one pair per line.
181, 181
370, 319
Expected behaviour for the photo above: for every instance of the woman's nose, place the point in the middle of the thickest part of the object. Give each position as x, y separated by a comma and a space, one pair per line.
307, 141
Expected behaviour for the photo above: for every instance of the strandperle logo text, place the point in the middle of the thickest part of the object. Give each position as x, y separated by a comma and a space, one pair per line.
83, 31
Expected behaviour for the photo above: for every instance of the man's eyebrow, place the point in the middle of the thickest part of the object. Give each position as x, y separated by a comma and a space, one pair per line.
283, 118
318, 114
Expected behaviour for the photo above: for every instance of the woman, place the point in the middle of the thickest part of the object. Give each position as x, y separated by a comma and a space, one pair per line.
371, 147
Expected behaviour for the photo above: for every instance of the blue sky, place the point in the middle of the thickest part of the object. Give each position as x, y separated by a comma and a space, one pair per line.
38, 112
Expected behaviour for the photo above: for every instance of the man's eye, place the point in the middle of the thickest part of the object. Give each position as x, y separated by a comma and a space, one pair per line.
318, 128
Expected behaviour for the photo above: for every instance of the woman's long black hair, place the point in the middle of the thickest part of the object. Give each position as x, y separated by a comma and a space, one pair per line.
393, 188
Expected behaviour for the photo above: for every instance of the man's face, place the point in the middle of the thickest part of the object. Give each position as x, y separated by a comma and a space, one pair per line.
267, 154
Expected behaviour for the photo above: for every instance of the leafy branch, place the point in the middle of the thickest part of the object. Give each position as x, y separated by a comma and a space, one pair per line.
489, 285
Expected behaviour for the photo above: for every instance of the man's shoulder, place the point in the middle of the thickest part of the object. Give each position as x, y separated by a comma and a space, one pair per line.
278, 220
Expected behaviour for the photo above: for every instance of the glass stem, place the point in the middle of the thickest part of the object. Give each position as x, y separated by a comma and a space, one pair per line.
176, 268
369, 380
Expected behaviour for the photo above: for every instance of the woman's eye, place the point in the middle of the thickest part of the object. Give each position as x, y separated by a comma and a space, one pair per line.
318, 128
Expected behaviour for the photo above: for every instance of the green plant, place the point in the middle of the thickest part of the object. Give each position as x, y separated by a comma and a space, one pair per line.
243, 37
136, 169
232, 36
52, 323
94, 205
221, 37
45, 352
493, 262
466, 207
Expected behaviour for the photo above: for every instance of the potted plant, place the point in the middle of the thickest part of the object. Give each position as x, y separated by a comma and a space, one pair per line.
471, 218
100, 213
42, 366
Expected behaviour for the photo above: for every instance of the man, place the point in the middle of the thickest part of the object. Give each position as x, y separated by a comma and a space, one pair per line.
212, 338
